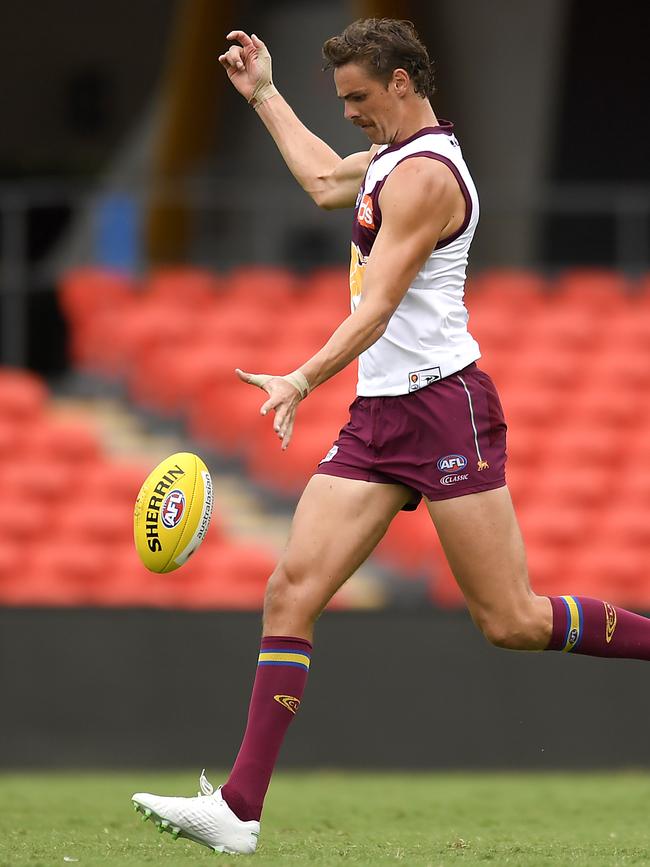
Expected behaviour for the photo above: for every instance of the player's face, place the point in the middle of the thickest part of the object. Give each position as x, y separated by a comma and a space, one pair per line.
369, 104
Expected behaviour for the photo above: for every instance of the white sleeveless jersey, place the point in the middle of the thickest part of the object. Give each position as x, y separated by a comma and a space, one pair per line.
426, 338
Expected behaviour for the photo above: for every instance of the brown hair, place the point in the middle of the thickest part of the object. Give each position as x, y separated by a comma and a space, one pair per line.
383, 45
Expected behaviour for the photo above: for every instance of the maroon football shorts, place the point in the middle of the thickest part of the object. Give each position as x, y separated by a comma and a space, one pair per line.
442, 441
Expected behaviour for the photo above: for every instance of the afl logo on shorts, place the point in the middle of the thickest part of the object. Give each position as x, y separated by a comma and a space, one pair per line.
172, 508
452, 463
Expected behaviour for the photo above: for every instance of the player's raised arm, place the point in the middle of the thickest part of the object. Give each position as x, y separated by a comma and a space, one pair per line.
331, 182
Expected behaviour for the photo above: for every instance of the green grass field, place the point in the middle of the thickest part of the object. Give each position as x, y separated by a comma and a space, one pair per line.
565, 820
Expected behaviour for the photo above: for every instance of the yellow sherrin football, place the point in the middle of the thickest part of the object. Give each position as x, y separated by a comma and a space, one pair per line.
172, 512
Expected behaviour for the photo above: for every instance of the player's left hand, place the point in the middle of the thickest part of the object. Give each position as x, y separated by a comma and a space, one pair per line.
284, 397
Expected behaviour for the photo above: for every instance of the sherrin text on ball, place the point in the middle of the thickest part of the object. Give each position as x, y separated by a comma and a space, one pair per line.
172, 512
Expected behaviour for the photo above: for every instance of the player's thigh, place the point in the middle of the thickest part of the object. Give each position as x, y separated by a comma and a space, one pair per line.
337, 524
485, 550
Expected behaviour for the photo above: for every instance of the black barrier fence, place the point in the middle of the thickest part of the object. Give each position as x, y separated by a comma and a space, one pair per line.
99, 688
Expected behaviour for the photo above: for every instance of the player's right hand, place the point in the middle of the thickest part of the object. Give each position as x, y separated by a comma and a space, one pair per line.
284, 395
248, 65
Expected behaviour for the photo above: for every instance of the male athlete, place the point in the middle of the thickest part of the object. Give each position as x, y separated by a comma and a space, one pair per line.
426, 421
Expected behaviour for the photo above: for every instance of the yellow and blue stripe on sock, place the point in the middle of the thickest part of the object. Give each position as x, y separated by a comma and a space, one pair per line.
296, 658
574, 623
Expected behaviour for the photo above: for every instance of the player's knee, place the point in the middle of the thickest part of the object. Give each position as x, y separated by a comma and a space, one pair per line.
287, 592
504, 634
511, 631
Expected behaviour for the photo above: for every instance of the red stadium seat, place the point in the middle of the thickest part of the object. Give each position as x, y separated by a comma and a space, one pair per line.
526, 447
327, 288
547, 567
24, 519
262, 287
509, 289
496, 330
37, 479
587, 486
565, 329
577, 445
597, 289
188, 374
632, 484
327, 407
97, 519
600, 411
84, 291
310, 327
625, 525
122, 478
55, 573
194, 288
410, 544
604, 571
126, 582
232, 325
12, 559
227, 417
38, 589
97, 343
555, 525
288, 471
443, 587
539, 367
149, 326
23, 396
539, 406
63, 441
11, 438
620, 365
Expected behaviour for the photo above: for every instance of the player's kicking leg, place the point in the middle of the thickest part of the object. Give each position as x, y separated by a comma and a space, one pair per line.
484, 547
337, 524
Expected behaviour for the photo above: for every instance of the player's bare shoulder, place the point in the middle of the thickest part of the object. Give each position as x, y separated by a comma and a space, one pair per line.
340, 188
425, 179
421, 185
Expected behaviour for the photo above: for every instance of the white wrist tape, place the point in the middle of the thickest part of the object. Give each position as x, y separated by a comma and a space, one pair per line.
259, 379
264, 89
261, 93
297, 379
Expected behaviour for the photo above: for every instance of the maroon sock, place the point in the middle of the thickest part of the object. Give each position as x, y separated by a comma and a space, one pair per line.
596, 628
282, 670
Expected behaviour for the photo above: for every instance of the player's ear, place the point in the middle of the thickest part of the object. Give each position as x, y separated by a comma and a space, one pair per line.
400, 81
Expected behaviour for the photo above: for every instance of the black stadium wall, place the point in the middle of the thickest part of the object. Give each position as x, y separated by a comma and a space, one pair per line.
129, 688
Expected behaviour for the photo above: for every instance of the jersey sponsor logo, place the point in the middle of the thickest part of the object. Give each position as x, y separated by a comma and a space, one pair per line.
452, 478
421, 378
289, 701
452, 462
172, 508
330, 454
365, 216
610, 621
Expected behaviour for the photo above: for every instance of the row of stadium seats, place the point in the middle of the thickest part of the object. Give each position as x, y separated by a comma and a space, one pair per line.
569, 356
66, 518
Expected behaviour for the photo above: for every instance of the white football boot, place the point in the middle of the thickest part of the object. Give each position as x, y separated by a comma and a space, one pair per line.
205, 819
